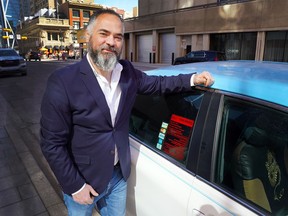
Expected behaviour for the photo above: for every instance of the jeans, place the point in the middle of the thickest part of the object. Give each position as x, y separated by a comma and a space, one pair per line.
112, 202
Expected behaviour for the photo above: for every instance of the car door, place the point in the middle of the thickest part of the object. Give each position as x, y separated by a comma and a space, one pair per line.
240, 147
160, 133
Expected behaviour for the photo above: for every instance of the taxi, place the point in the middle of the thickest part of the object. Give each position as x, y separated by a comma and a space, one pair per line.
220, 150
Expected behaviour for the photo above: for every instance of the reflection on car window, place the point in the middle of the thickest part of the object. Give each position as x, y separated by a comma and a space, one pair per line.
166, 122
252, 156
8, 53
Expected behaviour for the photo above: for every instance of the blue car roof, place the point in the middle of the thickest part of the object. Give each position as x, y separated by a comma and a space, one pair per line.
264, 80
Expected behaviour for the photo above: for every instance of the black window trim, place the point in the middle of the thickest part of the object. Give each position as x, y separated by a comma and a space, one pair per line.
253, 100
207, 138
196, 137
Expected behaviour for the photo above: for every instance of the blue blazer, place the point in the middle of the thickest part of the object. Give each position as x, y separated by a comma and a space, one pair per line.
77, 136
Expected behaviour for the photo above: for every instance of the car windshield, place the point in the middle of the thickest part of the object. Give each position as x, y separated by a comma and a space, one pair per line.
8, 53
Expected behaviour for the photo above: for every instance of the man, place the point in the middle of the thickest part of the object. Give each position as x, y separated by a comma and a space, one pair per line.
85, 119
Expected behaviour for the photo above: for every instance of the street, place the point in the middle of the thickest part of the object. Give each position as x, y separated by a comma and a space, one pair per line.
20, 100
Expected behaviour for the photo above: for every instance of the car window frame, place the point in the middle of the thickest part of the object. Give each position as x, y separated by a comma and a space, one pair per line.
208, 175
191, 157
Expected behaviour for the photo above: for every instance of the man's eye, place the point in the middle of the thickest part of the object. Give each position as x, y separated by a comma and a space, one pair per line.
118, 38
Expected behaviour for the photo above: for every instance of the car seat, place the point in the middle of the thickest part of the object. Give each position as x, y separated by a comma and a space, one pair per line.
259, 171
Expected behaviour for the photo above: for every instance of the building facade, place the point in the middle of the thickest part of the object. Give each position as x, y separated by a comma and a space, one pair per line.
243, 29
43, 32
10, 17
12, 12
54, 30
24, 9
58, 30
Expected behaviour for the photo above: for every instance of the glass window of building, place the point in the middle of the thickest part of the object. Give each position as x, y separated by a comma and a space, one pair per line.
237, 46
49, 36
12, 8
86, 14
76, 13
76, 25
85, 24
54, 36
276, 46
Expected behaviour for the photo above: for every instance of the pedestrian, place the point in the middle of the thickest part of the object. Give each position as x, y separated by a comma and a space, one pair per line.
85, 118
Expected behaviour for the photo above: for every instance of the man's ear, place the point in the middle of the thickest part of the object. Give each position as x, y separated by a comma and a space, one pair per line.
87, 36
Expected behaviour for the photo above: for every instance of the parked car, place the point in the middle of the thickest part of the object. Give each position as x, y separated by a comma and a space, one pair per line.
34, 55
200, 56
11, 62
213, 151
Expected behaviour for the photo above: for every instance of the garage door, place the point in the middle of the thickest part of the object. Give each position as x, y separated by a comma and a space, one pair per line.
144, 47
167, 47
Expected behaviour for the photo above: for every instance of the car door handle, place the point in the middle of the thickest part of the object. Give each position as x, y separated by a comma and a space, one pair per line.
196, 212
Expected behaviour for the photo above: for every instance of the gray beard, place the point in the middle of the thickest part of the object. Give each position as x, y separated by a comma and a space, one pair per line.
105, 62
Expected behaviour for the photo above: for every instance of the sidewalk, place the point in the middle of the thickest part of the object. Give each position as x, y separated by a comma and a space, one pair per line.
24, 189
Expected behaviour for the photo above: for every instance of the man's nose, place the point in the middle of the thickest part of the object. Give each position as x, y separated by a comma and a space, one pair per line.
110, 40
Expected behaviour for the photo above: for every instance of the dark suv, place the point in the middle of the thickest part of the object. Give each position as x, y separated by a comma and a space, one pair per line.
200, 56
34, 55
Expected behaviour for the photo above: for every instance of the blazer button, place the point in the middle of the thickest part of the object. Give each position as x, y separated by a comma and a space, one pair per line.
112, 152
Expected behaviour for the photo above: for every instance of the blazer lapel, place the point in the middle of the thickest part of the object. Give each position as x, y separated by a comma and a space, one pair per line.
124, 89
94, 88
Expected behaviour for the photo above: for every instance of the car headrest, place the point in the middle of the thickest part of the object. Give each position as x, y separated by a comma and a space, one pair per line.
256, 136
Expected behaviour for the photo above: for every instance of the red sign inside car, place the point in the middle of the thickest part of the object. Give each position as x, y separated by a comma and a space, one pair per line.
177, 136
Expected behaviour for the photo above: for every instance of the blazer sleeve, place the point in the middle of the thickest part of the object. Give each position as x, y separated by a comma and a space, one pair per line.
55, 133
149, 84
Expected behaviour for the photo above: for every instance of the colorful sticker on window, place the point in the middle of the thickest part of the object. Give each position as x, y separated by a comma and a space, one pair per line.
161, 135
177, 136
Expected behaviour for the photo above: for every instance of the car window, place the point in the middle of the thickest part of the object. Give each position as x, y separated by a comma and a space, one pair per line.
8, 53
190, 55
199, 54
165, 123
252, 155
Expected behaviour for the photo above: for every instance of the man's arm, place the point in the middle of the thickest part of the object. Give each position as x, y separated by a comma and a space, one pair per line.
166, 84
55, 135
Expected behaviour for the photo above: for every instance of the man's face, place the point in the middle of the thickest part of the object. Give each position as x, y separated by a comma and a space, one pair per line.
105, 44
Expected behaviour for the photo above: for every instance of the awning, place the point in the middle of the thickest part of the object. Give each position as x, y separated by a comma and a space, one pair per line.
62, 47
56, 47
43, 49
48, 46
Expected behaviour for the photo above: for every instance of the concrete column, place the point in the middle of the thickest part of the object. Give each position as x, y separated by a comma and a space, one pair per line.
132, 47
155, 47
200, 42
179, 47
260, 45
193, 42
206, 42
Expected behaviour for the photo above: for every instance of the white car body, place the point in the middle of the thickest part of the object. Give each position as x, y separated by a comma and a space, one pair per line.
169, 190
